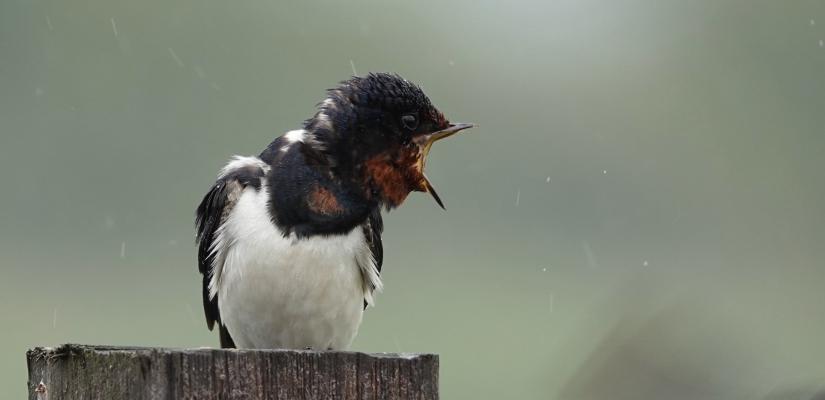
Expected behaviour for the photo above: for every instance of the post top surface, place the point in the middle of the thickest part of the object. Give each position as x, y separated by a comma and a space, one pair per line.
71, 348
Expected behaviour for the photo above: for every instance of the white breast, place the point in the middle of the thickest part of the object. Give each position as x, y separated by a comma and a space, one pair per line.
276, 292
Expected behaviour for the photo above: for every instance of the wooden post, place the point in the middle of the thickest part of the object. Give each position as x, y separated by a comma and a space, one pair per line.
74, 372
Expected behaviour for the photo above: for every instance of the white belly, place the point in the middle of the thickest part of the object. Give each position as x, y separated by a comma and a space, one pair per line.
276, 292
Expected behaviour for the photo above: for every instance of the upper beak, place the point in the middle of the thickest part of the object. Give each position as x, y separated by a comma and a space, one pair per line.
425, 142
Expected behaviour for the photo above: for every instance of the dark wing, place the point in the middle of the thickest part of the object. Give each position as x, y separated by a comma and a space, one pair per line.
372, 231
210, 215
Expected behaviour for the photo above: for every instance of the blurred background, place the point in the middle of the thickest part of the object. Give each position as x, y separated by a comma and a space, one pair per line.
639, 215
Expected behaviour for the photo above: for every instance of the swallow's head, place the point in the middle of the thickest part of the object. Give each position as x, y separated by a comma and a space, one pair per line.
377, 131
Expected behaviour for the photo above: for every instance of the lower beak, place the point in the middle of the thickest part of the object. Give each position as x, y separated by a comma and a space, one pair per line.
425, 142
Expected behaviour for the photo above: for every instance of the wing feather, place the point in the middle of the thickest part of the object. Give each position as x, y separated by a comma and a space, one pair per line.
372, 232
239, 174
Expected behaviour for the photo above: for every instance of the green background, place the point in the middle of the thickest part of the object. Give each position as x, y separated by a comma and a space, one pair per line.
676, 251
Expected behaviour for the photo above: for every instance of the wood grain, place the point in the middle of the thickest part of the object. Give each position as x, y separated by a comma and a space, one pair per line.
74, 372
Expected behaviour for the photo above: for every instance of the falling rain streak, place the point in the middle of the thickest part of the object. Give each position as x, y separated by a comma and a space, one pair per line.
175, 57
200, 72
591, 257
191, 313
114, 26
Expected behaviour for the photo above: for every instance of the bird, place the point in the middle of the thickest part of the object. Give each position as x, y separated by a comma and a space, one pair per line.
289, 241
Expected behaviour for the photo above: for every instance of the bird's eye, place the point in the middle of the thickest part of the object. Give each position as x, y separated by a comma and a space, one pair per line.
409, 121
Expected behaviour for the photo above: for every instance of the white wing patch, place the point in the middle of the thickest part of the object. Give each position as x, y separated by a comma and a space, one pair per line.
241, 162
302, 136
369, 274
297, 135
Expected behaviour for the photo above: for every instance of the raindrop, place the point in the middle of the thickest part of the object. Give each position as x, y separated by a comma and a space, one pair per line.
821, 43
544, 269
38, 92
49, 23
547, 180
352, 64
518, 197
813, 22
114, 26
604, 172
644, 264
200, 72
123, 250
451, 63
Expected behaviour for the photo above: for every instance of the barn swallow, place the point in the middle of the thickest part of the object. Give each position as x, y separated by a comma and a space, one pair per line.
290, 241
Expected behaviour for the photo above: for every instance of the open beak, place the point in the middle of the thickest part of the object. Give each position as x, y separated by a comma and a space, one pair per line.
425, 142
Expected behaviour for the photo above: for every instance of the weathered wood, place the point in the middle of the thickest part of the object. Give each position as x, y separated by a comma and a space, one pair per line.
74, 372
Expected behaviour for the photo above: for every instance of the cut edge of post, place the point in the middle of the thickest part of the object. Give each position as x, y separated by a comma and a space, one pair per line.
74, 349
